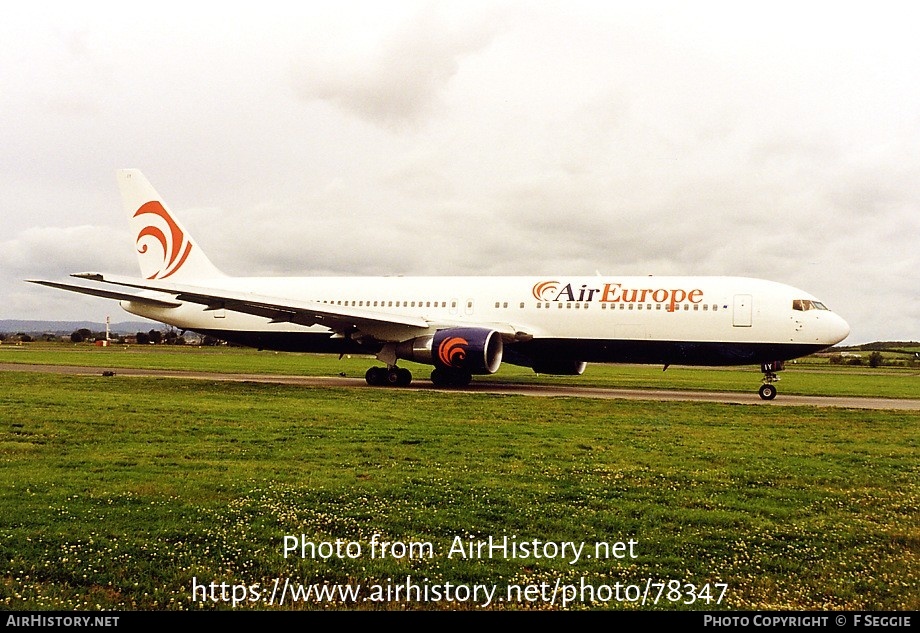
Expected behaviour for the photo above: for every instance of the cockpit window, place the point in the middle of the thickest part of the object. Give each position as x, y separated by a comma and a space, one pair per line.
807, 304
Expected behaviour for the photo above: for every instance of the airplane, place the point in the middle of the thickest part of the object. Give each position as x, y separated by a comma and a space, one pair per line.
464, 326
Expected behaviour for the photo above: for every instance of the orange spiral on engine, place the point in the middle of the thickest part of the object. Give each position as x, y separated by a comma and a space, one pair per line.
451, 351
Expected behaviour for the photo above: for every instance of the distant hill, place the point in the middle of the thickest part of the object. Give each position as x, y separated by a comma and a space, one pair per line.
901, 347
64, 328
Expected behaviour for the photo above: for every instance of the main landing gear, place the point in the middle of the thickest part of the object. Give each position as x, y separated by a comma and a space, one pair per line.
388, 377
399, 377
767, 390
442, 377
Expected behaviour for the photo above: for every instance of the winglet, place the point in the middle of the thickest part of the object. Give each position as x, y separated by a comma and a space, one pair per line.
164, 247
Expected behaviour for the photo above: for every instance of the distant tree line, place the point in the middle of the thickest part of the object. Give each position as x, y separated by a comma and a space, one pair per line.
875, 359
153, 337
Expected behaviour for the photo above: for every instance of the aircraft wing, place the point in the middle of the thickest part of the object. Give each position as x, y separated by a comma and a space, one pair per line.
109, 294
383, 326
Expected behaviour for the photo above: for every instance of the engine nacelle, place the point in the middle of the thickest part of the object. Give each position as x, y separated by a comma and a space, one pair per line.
469, 349
560, 368
475, 350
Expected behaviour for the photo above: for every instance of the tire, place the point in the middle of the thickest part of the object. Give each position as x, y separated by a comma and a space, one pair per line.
441, 377
767, 392
392, 377
463, 379
438, 377
374, 376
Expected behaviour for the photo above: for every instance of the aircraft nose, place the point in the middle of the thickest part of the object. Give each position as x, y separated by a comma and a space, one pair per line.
838, 329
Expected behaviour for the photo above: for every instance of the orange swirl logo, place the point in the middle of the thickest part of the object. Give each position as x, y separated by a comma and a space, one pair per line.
175, 247
542, 287
451, 351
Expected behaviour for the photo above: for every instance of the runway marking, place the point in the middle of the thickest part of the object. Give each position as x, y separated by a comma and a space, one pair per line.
533, 390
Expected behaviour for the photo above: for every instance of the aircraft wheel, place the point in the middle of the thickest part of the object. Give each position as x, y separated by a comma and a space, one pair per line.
767, 391
441, 377
374, 376
392, 377
463, 379
405, 377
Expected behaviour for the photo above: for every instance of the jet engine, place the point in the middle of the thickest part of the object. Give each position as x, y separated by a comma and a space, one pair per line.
475, 350
470, 350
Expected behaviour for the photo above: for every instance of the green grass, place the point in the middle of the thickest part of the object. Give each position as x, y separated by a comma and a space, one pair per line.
118, 492
810, 376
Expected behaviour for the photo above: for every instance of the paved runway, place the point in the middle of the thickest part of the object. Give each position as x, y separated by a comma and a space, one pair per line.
484, 386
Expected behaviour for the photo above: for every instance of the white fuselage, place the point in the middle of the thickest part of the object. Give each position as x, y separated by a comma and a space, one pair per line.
580, 311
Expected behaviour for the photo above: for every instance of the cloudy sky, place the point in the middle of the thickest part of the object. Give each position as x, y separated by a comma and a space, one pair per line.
775, 140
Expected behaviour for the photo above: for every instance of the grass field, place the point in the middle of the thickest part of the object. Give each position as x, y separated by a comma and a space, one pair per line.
809, 376
123, 493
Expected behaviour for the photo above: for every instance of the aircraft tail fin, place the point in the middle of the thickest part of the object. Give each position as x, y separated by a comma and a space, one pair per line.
164, 248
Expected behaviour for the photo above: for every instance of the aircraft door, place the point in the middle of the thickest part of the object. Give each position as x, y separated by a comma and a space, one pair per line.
741, 317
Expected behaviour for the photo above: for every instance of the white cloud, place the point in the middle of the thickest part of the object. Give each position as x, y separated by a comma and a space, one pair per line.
394, 77
436, 138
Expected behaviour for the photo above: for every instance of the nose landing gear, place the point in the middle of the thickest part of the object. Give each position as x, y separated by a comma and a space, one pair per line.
767, 390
